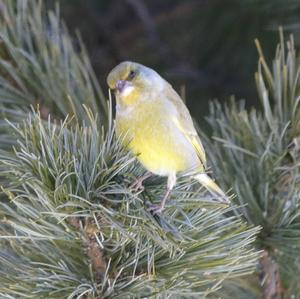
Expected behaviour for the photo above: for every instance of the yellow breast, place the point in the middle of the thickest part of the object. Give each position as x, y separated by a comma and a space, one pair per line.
151, 135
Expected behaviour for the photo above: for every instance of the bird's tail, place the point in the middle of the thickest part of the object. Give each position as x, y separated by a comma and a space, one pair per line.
211, 186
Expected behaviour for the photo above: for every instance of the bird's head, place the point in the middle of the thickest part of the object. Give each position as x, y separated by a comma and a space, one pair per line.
132, 81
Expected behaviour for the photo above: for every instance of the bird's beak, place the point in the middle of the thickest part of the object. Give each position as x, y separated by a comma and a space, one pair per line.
124, 88
120, 85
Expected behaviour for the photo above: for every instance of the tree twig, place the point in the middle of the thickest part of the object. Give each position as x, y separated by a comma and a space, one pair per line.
270, 279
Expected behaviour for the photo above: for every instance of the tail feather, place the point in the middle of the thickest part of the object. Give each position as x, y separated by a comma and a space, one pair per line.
211, 186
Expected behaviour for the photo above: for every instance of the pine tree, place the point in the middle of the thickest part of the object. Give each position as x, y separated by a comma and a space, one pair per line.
70, 227
259, 153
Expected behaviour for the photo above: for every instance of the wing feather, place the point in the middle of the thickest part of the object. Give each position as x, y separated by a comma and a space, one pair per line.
184, 123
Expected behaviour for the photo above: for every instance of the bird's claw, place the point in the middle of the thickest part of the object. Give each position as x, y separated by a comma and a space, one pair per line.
155, 209
137, 185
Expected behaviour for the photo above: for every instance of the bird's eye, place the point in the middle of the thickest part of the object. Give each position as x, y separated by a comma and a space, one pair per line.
131, 75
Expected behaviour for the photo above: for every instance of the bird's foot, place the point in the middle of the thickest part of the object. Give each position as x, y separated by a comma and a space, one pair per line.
155, 209
137, 185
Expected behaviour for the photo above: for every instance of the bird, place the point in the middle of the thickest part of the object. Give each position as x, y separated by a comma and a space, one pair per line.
155, 125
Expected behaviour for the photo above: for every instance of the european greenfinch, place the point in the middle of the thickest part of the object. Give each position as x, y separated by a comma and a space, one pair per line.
157, 126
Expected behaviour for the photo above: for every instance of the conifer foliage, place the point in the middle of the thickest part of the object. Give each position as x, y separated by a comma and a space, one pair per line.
70, 226
259, 152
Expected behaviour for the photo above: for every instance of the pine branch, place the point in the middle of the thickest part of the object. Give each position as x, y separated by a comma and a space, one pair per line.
270, 278
39, 64
72, 227
258, 152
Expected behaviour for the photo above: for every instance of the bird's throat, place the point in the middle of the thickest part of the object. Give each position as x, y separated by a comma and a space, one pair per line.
128, 96
126, 91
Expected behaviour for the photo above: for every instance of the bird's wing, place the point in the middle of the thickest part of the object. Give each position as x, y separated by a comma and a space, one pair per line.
184, 123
